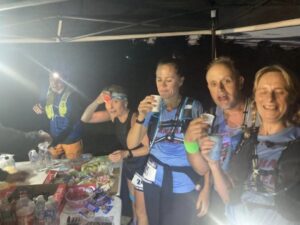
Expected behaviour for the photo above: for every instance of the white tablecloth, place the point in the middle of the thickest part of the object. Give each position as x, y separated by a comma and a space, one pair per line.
35, 177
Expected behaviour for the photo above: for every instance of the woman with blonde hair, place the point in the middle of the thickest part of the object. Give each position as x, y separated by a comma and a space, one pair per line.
263, 183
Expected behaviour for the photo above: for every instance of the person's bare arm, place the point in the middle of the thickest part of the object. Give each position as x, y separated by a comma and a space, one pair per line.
144, 149
195, 131
91, 116
198, 163
221, 181
137, 131
203, 200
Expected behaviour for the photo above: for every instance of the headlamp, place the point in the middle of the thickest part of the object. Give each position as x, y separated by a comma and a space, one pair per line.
114, 95
118, 96
56, 75
106, 98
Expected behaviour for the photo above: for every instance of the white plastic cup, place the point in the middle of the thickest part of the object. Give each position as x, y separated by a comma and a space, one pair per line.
208, 119
33, 158
158, 102
215, 152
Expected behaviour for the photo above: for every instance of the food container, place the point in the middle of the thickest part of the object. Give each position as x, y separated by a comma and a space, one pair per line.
7, 163
77, 197
77, 163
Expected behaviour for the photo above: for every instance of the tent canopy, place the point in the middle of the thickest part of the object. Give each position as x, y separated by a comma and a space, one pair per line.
45, 21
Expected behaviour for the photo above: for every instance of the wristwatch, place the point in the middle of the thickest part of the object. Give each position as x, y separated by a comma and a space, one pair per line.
140, 121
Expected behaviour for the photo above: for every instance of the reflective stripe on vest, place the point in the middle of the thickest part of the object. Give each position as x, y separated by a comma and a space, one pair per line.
62, 108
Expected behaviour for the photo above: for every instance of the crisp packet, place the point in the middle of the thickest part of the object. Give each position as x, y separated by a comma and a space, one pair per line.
86, 213
92, 206
103, 200
106, 208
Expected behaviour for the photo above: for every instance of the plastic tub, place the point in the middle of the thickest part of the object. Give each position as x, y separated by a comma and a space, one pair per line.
78, 197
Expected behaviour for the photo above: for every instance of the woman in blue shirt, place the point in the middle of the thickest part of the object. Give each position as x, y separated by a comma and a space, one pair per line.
169, 189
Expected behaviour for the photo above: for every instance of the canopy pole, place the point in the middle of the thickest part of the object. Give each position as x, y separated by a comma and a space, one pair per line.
213, 14
59, 29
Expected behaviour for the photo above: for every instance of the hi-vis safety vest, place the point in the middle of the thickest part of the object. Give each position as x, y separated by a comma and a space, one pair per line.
62, 108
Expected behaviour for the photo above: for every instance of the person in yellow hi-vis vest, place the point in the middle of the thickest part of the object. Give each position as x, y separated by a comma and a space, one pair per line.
63, 112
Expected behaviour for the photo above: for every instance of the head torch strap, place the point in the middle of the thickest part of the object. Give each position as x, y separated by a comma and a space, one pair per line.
119, 96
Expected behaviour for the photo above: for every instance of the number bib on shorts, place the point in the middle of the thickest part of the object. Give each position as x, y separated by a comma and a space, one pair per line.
137, 181
150, 171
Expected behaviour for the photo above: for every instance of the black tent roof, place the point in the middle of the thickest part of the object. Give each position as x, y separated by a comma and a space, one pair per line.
38, 21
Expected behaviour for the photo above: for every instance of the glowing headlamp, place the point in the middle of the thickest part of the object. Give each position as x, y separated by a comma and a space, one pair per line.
56, 75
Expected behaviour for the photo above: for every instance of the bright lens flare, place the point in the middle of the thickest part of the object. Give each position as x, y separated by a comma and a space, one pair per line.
5, 70
55, 75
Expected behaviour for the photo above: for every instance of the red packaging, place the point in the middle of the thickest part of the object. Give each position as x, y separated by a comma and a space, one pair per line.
50, 177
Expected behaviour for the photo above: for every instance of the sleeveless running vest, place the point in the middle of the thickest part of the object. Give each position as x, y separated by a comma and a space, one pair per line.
62, 107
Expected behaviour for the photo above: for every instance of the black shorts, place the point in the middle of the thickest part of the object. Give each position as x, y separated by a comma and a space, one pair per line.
182, 210
133, 165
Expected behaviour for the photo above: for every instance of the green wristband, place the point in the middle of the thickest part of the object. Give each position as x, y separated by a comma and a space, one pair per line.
191, 147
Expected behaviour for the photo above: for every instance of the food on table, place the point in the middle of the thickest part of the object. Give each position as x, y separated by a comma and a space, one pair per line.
99, 165
78, 197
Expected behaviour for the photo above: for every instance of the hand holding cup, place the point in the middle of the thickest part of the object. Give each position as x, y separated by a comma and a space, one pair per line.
199, 127
147, 105
211, 147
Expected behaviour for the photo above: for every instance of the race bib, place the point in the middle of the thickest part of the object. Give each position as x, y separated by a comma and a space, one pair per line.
137, 181
150, 171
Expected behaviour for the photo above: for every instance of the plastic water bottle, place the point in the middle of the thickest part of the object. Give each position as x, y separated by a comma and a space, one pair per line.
40, 210
44, 154
25, 210
7, 216
33, 158
54, 204
50, 214
51, 199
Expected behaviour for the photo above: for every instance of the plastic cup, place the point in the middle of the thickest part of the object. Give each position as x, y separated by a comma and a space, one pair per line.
158, 102
215, 152
208, 119
33, 158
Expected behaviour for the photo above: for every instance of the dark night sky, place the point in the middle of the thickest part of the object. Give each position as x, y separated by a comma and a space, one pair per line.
92, 66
